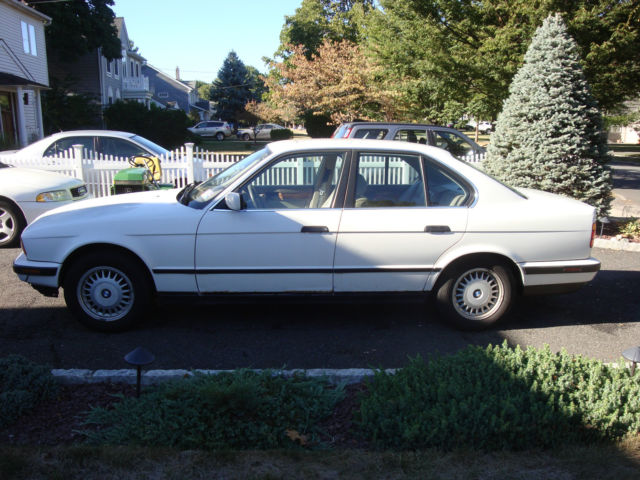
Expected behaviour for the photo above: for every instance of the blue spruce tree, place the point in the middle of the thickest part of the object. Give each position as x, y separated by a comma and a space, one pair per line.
549, 134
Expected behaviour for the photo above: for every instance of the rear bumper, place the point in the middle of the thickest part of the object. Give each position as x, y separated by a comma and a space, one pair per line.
558, 277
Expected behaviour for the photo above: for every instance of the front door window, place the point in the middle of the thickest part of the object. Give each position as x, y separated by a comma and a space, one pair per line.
297, 181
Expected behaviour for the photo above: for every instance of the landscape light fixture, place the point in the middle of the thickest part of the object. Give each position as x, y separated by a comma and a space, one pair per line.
139, 358
633, 355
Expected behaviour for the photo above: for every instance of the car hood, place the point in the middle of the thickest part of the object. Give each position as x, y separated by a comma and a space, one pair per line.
100, 205
142, 213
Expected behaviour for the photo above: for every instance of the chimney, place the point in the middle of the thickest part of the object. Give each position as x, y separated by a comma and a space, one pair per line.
177, 73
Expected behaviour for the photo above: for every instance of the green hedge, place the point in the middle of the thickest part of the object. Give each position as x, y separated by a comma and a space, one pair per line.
281, 134
239, 410
23, 385
500, 398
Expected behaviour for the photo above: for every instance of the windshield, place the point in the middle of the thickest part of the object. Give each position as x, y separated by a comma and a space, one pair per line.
206, 191
155, 148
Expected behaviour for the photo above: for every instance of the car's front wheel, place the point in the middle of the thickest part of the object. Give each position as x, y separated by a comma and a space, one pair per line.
11, 224
219, 136
106, 291
474, 297
246, 137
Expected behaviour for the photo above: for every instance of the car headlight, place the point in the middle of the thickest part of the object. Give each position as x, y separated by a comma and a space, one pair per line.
54, 196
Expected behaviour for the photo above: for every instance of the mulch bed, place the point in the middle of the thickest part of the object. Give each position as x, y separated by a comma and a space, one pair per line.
611, 231
58, 421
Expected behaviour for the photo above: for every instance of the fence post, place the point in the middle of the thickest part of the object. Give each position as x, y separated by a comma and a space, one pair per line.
78, 167
190, 172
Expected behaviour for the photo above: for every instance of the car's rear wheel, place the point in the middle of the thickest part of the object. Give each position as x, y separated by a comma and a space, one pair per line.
106, 291
11, 224
246, 137
219, 136
474, 297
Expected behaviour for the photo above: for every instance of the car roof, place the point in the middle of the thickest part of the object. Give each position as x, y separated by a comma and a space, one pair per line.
283, 146
394, 124
105, 133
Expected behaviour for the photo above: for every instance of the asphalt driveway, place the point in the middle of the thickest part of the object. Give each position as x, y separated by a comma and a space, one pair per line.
599, 321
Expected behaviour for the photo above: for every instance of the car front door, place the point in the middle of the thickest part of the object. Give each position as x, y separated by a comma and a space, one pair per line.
284, 239
396, 224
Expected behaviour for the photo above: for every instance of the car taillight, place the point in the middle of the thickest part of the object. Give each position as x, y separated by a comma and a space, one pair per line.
593, 234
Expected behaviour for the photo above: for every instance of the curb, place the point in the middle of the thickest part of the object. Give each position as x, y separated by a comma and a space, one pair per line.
151, 377
613, 244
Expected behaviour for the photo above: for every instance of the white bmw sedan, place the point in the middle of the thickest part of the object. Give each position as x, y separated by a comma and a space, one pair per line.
26, 193
326, 217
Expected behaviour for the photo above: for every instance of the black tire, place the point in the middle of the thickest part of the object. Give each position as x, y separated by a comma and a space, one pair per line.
246, 137
12, 223
108, 292
476, 296
220, 136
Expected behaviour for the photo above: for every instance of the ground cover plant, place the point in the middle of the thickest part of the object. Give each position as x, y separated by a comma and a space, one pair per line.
238, 410
500, 398
23, 385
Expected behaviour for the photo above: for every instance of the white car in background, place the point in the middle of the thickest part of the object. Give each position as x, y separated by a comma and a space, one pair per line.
27, 193
99, 142
259, 132
318, 217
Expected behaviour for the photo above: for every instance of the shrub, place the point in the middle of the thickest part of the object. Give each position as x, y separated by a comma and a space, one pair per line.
238, 410
23, 385
166, 127
500, 398
281, 134
318, 126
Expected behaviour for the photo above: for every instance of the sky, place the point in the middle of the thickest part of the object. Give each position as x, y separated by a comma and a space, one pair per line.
197, 35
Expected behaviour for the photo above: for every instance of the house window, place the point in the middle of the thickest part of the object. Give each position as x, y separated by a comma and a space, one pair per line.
29, 39
108, 67
117, 67
163, 95
137, 70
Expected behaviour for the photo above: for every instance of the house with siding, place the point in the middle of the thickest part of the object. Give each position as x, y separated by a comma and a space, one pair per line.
172, 92
106, 80
23, 73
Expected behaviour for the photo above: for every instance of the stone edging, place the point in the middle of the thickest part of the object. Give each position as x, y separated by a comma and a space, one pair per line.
613, 244
151, 377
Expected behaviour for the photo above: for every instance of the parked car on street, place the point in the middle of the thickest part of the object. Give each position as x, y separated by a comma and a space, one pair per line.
26, 193
483, 127
99, 142
260, 132
455, 142
318, 217
211, 128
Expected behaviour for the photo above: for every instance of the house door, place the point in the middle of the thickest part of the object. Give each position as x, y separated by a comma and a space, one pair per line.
7, 119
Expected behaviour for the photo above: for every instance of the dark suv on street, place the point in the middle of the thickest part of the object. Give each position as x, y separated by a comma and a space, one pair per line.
450, 139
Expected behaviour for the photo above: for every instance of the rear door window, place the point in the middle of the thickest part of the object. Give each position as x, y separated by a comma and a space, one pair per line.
371, 133
412, 135
59, 147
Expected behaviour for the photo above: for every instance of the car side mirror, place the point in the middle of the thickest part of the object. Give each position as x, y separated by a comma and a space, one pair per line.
234, 201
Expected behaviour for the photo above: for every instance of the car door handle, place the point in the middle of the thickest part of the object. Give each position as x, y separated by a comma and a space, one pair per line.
437, 229
314, 229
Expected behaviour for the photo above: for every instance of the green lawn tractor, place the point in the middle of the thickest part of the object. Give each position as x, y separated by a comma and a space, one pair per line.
143, 175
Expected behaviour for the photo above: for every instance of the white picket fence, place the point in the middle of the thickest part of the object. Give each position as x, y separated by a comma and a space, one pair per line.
182, 166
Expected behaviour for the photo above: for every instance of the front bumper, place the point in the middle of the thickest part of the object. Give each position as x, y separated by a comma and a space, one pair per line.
44, 274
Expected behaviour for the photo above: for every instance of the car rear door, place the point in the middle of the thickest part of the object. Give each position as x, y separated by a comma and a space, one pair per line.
394, 227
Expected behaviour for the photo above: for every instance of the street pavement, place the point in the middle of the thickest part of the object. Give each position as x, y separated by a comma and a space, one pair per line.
626, 191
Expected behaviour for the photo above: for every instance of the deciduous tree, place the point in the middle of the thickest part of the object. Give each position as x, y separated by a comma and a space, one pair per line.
79, 27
